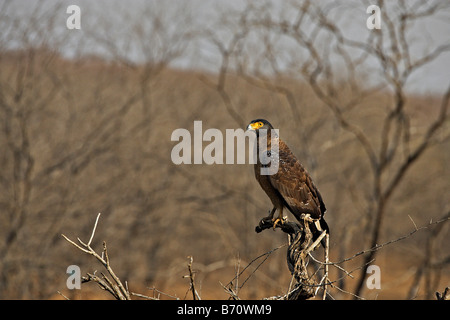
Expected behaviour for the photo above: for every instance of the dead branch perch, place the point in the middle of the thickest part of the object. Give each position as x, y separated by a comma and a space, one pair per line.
300, 245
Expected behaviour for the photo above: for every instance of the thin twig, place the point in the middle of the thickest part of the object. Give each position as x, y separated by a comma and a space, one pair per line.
93, 230
191, 275
116, 289
379, 246
61, 294
415, 226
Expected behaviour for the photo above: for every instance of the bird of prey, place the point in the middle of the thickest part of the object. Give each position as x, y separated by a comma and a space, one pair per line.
290, 186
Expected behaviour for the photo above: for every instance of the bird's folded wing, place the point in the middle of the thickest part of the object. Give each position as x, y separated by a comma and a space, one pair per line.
296, 187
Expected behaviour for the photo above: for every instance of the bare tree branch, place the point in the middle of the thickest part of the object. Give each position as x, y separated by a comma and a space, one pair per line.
116, 288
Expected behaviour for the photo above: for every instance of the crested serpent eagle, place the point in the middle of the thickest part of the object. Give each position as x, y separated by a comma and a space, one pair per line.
290, 186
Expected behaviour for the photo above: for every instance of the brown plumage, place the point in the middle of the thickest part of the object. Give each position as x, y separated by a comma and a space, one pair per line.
291, 186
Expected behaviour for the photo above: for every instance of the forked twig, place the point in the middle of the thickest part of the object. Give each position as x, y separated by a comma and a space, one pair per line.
116, 288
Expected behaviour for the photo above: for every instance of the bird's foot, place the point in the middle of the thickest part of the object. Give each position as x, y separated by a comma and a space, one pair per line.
278, 220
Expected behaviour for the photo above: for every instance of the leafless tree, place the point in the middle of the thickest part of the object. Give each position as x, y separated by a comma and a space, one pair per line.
319, 42
91, 133
57, 125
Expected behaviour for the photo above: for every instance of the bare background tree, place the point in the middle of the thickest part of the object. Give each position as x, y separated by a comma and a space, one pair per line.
396, 144
86, 133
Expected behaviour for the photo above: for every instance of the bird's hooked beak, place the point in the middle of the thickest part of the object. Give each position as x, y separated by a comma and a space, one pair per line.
254, 126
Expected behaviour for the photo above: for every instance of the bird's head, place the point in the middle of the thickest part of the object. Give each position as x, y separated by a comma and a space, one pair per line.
258, 124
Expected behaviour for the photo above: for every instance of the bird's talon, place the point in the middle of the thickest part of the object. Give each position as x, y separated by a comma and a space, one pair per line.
276, 221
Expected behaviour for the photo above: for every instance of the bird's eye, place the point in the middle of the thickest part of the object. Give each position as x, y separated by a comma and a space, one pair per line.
260, 124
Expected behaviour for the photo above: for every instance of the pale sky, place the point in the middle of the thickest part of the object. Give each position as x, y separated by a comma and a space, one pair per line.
117, 22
